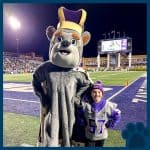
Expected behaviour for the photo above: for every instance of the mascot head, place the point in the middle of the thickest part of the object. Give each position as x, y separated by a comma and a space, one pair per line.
67, 41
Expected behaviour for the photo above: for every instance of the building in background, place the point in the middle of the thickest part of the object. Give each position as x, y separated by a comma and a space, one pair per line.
139, 62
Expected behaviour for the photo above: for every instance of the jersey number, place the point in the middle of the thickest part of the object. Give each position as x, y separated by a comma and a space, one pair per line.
93, 127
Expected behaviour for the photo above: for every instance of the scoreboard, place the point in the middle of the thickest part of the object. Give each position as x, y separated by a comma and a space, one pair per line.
115, 45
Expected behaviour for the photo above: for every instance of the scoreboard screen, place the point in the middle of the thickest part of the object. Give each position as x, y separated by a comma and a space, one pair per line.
116, 45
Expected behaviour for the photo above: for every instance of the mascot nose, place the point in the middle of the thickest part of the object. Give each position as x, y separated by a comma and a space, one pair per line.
65, 43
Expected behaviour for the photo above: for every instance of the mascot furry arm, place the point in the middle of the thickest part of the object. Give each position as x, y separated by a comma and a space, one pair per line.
58, 82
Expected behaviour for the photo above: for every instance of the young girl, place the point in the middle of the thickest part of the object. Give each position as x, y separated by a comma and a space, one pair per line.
99, 115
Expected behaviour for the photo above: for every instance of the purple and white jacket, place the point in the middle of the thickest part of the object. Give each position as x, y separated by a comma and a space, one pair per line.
99, 117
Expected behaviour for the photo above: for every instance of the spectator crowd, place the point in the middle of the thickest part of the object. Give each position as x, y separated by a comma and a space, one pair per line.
20, 64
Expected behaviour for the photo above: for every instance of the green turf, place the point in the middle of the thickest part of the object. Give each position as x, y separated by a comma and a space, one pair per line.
114, 139
26, 77
108, 78
116, 78
19, 129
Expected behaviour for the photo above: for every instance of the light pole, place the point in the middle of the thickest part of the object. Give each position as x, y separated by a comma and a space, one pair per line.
124, 35
109, 35
15, 25
104, 34
113, 32
118, 34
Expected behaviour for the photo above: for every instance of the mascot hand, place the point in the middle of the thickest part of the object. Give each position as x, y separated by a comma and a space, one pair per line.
77, 100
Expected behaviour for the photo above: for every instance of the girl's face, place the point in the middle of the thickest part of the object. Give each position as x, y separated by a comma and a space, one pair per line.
96, 95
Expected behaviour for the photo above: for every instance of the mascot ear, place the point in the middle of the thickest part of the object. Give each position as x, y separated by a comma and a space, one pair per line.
86, 36
50, 31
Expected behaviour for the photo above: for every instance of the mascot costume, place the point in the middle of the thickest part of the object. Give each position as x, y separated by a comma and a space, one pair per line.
60, 81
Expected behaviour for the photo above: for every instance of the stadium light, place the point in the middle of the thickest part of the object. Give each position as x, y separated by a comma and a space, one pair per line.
15, 25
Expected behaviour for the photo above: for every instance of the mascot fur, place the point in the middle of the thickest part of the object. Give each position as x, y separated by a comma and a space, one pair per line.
59, 81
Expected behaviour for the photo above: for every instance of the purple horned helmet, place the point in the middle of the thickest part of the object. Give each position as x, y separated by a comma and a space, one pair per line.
70, 19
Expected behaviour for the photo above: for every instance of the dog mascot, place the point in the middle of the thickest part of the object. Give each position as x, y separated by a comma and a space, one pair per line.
59, 81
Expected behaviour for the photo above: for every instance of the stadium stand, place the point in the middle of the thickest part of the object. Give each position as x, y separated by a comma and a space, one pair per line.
25, 63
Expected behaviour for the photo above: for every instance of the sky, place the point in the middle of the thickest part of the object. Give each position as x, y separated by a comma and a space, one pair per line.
101, 18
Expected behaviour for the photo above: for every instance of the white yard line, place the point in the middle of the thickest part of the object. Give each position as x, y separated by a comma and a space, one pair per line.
121, 90
22, 100
107, 99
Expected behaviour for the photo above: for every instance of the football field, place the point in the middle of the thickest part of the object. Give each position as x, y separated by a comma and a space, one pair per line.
127, 89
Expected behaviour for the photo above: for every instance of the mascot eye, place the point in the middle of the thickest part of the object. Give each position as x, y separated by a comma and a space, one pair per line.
60, 38
74, 41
